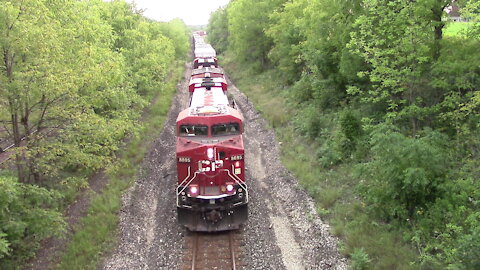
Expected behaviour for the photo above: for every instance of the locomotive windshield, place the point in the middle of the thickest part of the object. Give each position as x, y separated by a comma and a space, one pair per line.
226, 129
193, 130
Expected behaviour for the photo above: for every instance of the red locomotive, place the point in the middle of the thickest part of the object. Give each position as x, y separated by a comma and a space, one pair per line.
212, 194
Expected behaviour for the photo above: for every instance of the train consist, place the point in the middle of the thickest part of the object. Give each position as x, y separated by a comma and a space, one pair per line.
212, 194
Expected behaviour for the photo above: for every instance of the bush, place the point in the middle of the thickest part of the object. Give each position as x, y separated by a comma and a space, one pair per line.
309, 121
360, 260
28, 214
329, 154
351, 126
469, 244
405, 174
302, 90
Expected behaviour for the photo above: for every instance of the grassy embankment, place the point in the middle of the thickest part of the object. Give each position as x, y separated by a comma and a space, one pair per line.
95, 233
333, 188
455, 28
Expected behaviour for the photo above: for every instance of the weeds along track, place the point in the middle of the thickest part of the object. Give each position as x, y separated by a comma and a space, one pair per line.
221, 250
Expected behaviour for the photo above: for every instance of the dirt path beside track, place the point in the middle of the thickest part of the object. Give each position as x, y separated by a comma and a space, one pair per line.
283, 231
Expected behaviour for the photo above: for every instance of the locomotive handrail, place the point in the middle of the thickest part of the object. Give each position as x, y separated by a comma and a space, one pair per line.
186, 177
240, 183
186, 185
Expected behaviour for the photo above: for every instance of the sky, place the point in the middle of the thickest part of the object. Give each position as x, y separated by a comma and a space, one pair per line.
192, 12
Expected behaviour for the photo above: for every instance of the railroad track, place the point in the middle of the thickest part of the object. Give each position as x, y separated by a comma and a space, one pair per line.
5, 154
221, 251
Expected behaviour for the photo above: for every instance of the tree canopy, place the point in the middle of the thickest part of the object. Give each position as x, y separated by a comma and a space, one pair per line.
74, 79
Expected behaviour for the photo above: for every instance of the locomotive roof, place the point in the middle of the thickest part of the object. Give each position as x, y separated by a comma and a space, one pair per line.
225, 114
207, 79
202, 98
207, 70
207, 82
205, 60
204, 50
212, 104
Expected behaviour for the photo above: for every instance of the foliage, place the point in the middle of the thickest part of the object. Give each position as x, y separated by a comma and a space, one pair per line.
405, 174
178, 33
360, 260
74, 80
95, 234
472, 12
328, 59
397, 52
218, 30
332, 188
286, 34
456, 74
247, 21
351, 128
26, 212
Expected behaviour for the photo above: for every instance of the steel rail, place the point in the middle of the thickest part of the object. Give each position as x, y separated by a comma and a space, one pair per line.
8, 154
10, 146
194, 252
232, 249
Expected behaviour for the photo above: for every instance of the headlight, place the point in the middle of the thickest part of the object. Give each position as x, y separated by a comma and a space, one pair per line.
193, 191
230, 187
210, 153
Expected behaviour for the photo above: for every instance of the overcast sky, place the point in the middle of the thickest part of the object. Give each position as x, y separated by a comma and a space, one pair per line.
192, 12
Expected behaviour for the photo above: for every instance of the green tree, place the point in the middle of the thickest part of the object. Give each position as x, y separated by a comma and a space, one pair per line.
405, 174
287, 35
247, 21
176, 31
217, 30
394, 42
75, 77
34, 79
331, 66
